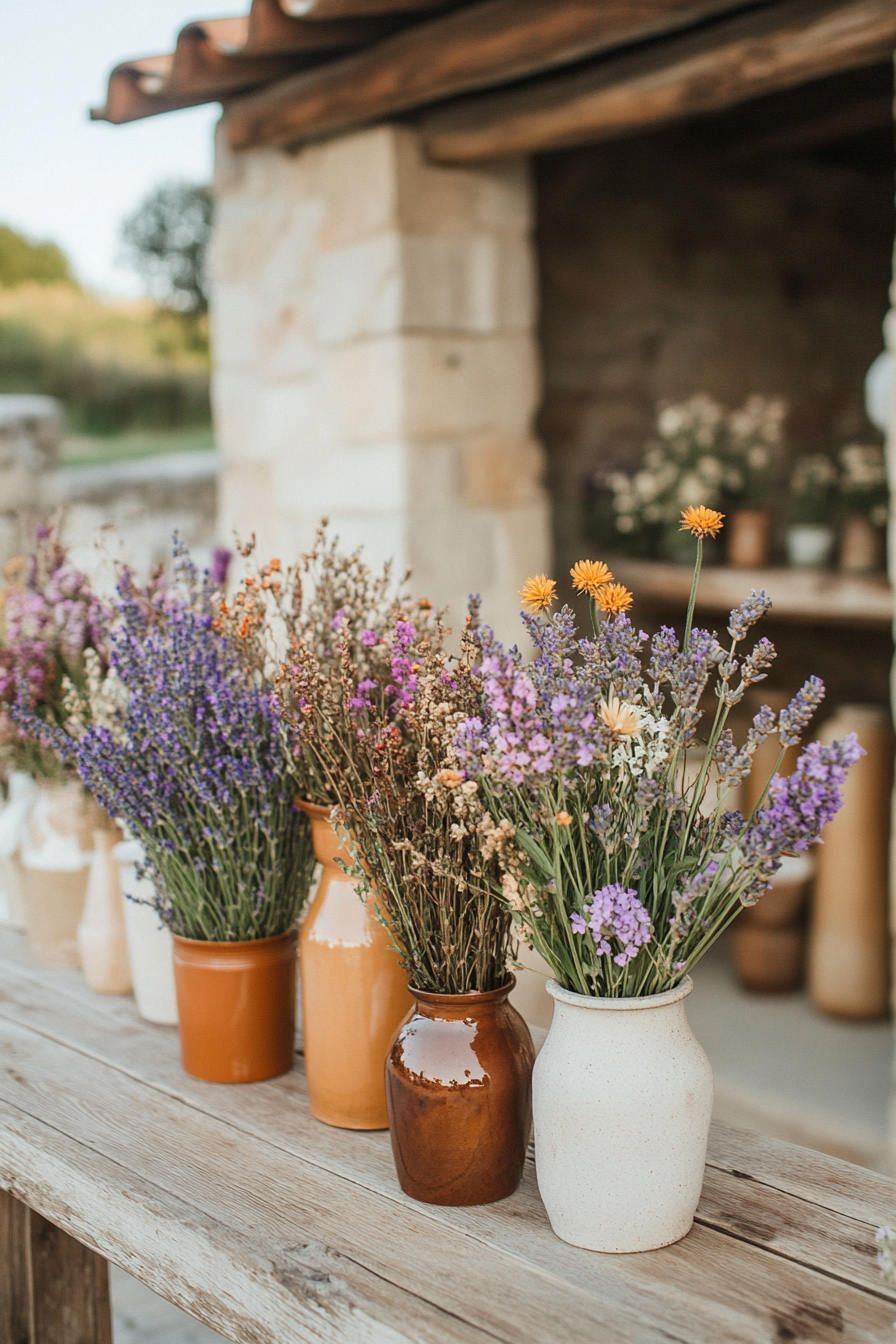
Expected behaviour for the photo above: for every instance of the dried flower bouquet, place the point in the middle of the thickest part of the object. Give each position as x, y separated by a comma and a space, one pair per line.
381, 735
191, 756
609, 865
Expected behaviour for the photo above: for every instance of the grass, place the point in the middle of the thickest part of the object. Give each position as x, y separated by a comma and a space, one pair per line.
81, 450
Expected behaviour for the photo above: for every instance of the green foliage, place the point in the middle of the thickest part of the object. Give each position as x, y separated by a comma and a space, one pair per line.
166, 241
22, 260
116, 366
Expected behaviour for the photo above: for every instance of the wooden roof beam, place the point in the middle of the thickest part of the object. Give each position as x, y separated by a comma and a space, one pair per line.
473, 48
723, 64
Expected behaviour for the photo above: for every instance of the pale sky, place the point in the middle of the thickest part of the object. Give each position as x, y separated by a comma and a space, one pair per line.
72, 180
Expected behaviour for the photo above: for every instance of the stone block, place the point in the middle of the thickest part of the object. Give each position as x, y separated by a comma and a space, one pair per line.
367, 383
370, 480
235, 403
356, 179
499, 471
433, 199
247, 504
358, 290
449, 284
465, 384
293, 419
236, 315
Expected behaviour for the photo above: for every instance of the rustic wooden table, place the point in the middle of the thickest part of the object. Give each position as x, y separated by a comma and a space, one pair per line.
233, 1203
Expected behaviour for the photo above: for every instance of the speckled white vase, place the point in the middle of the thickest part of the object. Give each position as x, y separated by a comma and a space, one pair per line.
622, 1099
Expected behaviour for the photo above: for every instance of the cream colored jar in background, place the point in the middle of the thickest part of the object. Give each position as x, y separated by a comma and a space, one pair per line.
622, 1099
150, 946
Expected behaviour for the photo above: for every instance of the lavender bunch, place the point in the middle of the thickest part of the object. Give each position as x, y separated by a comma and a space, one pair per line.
198, 765
617, 863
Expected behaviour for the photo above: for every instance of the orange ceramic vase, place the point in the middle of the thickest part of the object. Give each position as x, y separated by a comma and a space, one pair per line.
354, 993
459, 1083
237, 1007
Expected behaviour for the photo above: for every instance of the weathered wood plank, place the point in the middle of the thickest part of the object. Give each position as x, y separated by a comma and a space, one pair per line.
477, 47
69, 1288
822, 1181
350, 9
709, 1287
15, 1273
726, 63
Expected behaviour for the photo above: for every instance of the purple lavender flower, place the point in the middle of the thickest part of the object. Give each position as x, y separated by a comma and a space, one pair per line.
748, 613
221, 559
684, 900
799, 805
793, 719
369, 638
614, 913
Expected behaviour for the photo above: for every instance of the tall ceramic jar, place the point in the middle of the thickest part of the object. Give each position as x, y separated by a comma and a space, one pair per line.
55, 858
622, 1097
102, 942
150, 950
354, 993
459, 1087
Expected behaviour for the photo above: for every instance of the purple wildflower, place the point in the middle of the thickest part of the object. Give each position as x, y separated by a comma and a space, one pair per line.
221, 559
614, 913
369, 638
793, 719
748, 613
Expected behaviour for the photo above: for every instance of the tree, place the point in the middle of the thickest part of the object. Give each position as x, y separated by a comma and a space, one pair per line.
166, 241
22, 260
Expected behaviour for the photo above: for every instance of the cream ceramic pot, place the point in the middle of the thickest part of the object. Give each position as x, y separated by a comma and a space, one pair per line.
150, 946
622, 1099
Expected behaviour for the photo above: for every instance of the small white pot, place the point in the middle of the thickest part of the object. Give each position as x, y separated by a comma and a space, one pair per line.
150, 949
810, 545
622, 1099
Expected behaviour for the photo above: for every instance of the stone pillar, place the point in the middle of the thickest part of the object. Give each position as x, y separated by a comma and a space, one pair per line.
373, 326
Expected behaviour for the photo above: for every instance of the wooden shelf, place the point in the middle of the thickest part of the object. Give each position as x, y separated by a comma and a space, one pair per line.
815, 597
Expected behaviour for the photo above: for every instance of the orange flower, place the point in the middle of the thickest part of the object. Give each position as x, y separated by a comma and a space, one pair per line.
424, 604
563, 819
589, 575
613, 598
274, 565
701, 521
450, 778
537, 594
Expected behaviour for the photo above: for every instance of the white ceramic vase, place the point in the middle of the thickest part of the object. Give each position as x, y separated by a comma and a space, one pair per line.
150, 949
810, 545
102, 943
622, 1099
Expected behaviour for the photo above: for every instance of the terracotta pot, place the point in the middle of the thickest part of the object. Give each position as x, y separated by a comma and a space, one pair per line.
769, 960
459, 1085
748, 538
102, 942
354, 993
622, 1097
849, 946
237, 1007
861, 545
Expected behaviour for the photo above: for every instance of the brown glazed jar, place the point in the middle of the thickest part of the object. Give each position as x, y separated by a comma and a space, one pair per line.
237, 1007
459, 1089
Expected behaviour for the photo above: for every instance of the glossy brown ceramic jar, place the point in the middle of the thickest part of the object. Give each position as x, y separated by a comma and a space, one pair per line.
237, 1007
459, 1088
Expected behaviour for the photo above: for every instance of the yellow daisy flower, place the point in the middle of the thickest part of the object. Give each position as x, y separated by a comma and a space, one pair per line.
537, 594
701, 521
589, 575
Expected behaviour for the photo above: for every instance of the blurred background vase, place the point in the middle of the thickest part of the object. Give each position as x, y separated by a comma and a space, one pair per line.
21, 793
810, 545
354, 992
861, 545
749, 533
849, 952
55, 859
102, 942
150, 946
769, 940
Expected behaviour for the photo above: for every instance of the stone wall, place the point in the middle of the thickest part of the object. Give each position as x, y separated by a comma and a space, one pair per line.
694, 260
375, 361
